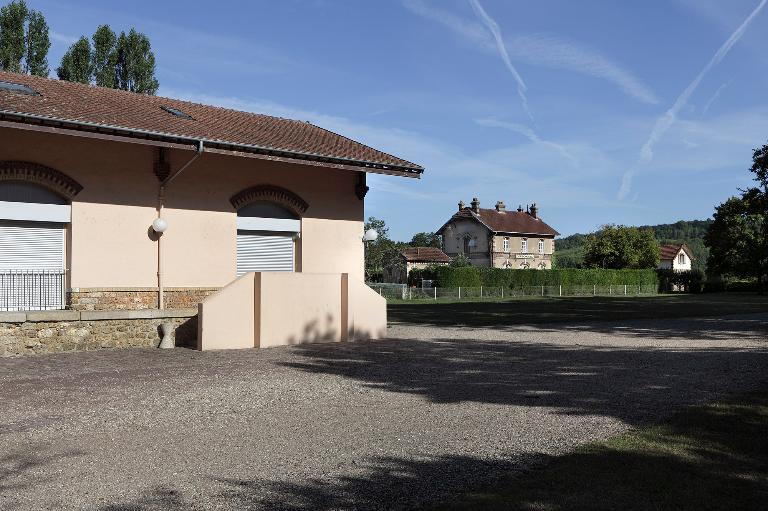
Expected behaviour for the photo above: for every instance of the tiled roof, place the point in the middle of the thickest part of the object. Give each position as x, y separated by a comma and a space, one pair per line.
425, 255
669, 252
58, 100
518, 222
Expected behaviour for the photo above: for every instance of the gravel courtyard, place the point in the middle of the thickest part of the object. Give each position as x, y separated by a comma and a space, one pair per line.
372, 425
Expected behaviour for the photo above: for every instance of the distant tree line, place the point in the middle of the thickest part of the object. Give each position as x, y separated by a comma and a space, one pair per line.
123, 61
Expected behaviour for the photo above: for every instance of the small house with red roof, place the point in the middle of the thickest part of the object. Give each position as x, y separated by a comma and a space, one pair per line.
676, 257
499, 238
414, 258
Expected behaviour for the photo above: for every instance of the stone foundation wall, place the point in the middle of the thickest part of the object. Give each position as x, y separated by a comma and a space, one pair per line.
25, 333
114, 299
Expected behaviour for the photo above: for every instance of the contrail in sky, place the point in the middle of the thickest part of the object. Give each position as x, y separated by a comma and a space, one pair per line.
496, 32
668, 119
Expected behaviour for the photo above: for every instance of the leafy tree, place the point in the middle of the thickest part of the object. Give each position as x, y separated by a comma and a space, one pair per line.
378, 253
738, 236
37, 45
135, 63
621, 247
76, 63
12, 48
104, 57
426, 239
24, 41
460, 261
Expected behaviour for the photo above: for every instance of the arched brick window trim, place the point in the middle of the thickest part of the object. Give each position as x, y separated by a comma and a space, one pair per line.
41, 175
270, 193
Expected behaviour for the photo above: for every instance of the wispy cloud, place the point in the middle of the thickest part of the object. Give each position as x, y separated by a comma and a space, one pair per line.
529, 134
61, 38
714, 97
666, 121
493, 27
543, 50
558, 53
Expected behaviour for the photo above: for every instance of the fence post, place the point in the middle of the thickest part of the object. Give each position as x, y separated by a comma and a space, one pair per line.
594, 289
625, 290
561, 290
459, 292
542, 290
410, 293
435, 293
610, 289
502, 292
380, 292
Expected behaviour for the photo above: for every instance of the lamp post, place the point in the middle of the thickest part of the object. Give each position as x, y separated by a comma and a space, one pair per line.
370, 236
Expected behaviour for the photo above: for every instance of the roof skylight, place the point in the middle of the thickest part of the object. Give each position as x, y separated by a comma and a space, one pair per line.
17, 87
176, 112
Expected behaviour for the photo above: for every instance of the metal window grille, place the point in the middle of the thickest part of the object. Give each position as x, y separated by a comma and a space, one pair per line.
32, 290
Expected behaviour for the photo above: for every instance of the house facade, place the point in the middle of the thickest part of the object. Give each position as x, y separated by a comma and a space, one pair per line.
499, 238
677, 257
412, 259
115, 201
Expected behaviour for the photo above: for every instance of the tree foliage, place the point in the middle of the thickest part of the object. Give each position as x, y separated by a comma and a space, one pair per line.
621, 247
120, 62
24, 40
738, 236
76, 63
426, 239
380, 253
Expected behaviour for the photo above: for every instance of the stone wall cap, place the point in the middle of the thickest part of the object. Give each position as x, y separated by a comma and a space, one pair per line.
137, 314
13, 317
56, 315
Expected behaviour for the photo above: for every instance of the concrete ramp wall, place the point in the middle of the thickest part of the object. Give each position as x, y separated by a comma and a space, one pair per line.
275, 309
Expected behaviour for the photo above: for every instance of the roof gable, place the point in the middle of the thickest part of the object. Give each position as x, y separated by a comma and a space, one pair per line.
669, 252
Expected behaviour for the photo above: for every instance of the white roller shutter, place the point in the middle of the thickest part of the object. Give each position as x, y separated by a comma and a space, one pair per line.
32, 268
259, 251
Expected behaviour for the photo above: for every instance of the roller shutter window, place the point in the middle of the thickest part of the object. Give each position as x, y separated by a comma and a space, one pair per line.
264, 251
31, 265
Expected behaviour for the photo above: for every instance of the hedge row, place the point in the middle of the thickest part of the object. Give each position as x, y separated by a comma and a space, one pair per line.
471, 276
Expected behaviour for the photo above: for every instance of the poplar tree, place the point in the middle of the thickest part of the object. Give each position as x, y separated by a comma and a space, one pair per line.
12, 47
76, 63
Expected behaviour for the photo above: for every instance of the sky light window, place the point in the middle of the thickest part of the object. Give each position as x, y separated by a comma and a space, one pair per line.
176, 112
18, 88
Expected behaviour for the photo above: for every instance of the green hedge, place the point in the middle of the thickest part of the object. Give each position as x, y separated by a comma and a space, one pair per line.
499, 277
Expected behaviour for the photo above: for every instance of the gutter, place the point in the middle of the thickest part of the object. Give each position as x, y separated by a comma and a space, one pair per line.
92, 127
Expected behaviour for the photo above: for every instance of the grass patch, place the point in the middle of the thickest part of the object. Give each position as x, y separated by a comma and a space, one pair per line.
571, 309
706, 457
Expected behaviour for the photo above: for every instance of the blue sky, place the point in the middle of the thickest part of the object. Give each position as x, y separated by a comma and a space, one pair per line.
601, 112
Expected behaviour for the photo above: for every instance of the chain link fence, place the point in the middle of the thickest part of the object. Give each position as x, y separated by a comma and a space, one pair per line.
401, 292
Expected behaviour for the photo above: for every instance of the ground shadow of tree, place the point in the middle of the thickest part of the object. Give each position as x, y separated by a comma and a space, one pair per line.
23, 469
705, 458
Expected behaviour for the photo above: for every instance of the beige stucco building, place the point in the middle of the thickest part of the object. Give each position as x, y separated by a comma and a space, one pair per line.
111, 200
499, 238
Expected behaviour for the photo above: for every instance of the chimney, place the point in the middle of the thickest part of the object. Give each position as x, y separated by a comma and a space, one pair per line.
520, 208
534, 210
500, 207
461, 205
475, 205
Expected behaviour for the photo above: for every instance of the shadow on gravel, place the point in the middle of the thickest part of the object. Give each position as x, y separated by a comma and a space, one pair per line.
516, 313
710, 457
630, 384
20, 470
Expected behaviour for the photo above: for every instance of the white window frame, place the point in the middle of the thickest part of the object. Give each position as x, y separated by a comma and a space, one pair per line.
506, 244
541, 246
524, 245
681, 258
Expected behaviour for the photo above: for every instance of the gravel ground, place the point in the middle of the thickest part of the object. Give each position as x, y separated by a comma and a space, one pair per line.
389, 424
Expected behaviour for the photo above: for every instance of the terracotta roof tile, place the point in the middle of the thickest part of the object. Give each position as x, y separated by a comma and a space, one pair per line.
70, 101
508, 221
669, 252
425, 255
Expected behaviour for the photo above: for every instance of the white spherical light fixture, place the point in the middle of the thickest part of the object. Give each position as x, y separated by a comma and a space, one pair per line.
159, 225
370, 235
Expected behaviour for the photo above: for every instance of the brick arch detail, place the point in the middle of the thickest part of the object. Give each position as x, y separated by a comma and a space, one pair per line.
41, 175
270, 193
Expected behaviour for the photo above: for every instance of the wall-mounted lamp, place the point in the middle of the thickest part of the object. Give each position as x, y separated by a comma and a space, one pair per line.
159, 225
370, 235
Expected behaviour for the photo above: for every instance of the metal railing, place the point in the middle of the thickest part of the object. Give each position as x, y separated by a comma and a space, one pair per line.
403, 292
33, 290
